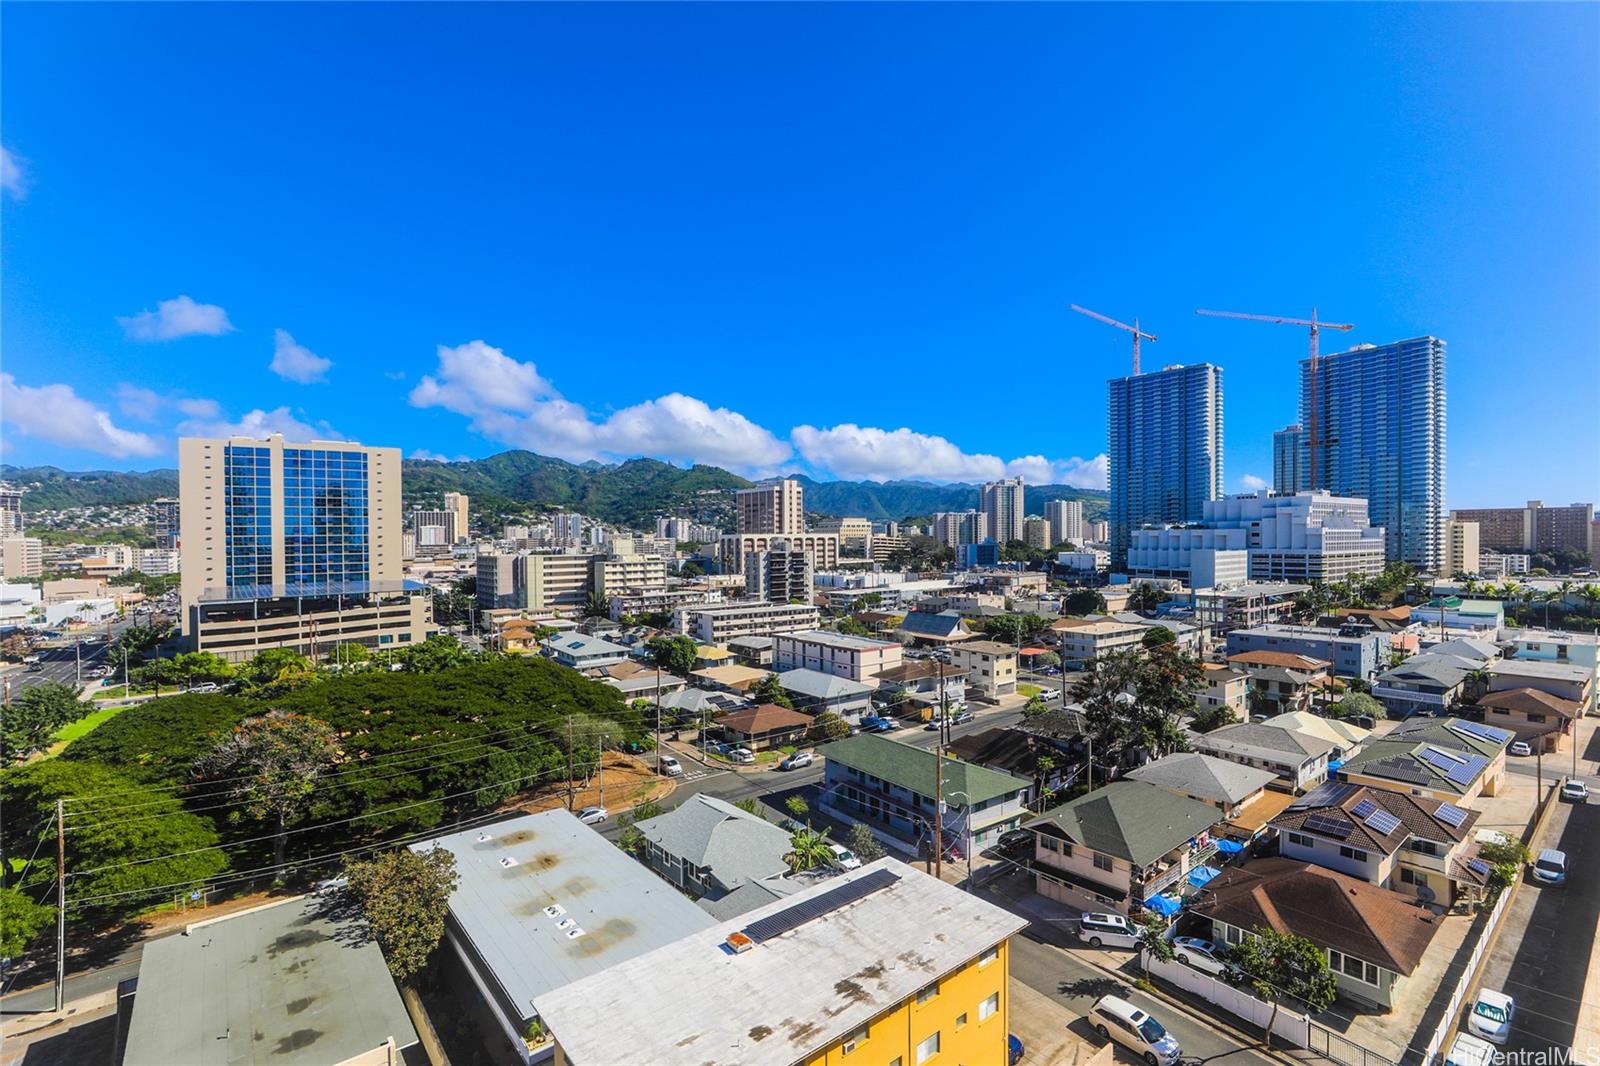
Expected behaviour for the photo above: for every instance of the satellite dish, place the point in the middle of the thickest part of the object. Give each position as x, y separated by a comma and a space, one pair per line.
1425, 894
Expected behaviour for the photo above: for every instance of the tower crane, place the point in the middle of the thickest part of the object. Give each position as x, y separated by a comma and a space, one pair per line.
1133, 329
1314, 439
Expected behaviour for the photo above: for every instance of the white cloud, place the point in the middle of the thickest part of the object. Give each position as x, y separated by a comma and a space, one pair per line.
423, 453
13, 179
866, 453
1251, 483
295, 362
147, 404
509, 401
59, 415
260, 423
178, 317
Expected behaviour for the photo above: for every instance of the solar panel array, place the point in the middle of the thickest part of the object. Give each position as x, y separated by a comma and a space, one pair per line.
1479, 867
1382, 822
1451, 815
823, 903
1470, 767
1483, 732
1329, 825
1364, 809
1327, 794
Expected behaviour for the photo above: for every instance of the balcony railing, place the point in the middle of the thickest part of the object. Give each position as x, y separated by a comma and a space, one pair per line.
1172, 874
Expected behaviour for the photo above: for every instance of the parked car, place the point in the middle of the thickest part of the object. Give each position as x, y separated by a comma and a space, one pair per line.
669, 767
1103, 929
207, 687
844, 858
1491, 1016
1135, 1029
1014, 1049
1550, 868
797, 760
874, 724
1575, 791
1201, 954
593, 815
1468, 1050
790, 825
742, 756
961, 717
1520, 747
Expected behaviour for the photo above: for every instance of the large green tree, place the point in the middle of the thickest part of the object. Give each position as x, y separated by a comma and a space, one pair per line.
1083, 601
33, 716
674, 654
770, 690
1281, 966
21, 920
271, 763
405, 896
439, 652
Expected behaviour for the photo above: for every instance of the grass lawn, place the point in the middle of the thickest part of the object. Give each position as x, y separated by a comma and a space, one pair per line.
84, 726
118, 692
1027, 691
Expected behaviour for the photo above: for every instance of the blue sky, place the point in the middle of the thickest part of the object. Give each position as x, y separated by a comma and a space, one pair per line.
830, 238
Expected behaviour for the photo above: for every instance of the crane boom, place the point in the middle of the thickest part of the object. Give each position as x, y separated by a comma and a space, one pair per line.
1314, 439
1134, 329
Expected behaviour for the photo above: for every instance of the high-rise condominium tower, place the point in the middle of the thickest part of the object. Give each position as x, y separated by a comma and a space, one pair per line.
1286, 467
778, 507
1002, 503
1066, 520
1164, 436
1381, 417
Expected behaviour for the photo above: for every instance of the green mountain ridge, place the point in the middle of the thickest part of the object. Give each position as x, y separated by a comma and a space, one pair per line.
631, 493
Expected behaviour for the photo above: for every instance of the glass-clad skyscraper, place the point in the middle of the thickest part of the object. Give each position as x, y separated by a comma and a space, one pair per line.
1164, 447
1381, 426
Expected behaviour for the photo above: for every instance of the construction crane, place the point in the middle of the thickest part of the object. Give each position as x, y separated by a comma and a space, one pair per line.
1314, 439
1133, 329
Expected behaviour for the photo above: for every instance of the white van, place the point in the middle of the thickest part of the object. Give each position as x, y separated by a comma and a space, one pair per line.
1469, 1050
669, 766
1133, 1028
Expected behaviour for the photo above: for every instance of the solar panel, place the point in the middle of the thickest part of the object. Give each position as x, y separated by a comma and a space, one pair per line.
1364, 809
1451, 815
1327, 794
1469, 768
1479, 867
1382, 822
1482, 732
1329, 825
823, 903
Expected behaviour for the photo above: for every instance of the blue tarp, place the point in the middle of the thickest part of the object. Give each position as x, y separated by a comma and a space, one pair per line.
1334, 765
1163, 905
1229, 847
1201, 874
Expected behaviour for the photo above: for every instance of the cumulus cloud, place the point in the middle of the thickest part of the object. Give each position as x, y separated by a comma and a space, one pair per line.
57, 414
260, 423
866, 453
13, 179
423, 453
147, 404
1251, 483
510, 401
178, 317
296, 362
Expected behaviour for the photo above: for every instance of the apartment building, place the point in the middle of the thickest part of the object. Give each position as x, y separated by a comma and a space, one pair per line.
720, 624
1002, 503
1381, 419
1066, 520
293, 545
857, 658
1354, 651
156, 562
779, 574
853, 533
955, 528
164, 523
626, 602
1462, 551
1286, 472
991, 667
737, 547
614, 573
776, 507
1085, 640
21, 558
1533, 528
1036, 533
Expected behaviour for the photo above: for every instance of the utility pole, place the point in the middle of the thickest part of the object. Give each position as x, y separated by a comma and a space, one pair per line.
77, 659
658, 716
938, 810
61, 904
569, 762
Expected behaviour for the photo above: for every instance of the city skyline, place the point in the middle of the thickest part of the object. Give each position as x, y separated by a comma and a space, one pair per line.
548, 297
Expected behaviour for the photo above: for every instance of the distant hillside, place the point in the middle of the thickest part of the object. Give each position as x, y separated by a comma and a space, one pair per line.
631, 493
50, 488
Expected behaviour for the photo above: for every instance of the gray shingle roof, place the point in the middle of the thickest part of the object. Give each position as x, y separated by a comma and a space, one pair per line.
734, 846
1130, 820
1203, 775
819, 685
1252, 738
913, 768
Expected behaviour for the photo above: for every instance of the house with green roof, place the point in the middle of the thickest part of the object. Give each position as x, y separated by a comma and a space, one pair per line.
890, 786
1121, 845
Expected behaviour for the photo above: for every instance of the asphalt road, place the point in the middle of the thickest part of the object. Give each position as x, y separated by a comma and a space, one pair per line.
60, 665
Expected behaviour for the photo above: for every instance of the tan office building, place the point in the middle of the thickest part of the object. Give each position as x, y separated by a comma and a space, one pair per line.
294, 545
1460, 548
775, 508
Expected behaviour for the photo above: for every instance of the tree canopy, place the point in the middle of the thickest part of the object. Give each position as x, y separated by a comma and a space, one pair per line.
405, 895
34, 716
674, 654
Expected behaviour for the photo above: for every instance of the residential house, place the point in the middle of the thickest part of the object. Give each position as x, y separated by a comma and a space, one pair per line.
1426, 684
1224, 687
1373, 938
1187, 637
731, 678
544, 901
856, 658
923, 685
1014, 752
699, 705
925, 629
300, 980
991, 667
1281, 682
1545, 721
710, 655
707, 847
1344, 736
636, 680
765, 727
1446, 759
890, 786
1556, 646
815, 692
1415, 845
1299, 759
1567, 681
1228, 786
583, 652
817, 977
1120, 845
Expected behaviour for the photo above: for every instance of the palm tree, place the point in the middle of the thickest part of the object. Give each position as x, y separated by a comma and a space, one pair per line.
1590, 594
1471, 585
1477, 684
809, 849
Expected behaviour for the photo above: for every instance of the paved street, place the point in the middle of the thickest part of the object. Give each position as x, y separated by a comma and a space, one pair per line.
1545, 958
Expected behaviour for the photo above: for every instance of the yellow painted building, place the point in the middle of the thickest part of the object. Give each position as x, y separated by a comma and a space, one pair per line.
881, 966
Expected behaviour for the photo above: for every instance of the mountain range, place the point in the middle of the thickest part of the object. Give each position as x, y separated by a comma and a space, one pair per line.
632, 493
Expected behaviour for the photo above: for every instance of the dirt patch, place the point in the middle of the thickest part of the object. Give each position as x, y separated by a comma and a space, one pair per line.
625, 781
